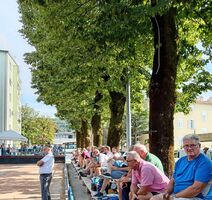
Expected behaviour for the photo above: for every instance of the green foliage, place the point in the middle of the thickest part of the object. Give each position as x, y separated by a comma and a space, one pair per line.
82, 47
85, 46
194, 44
38, 129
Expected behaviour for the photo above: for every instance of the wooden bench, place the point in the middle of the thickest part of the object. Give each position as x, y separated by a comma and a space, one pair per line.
85, 181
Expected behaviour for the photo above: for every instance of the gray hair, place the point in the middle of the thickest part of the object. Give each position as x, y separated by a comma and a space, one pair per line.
134, 155
140, 147
191, 137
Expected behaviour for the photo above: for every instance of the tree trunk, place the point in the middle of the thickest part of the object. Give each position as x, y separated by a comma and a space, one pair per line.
117, 111
162, 89
85, 134
96, 121
78, 138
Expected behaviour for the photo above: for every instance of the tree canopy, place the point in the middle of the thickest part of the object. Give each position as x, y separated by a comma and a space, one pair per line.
38, 129
82, 47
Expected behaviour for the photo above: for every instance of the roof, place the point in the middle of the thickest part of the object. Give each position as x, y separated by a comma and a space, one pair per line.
12, 135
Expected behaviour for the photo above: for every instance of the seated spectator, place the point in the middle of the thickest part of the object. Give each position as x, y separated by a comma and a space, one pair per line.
147, 180
97, 164
191, 174
115, 170
145, 155
86, 154
115, 152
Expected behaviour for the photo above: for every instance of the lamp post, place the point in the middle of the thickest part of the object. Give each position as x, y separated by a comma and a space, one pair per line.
141, 70
128, 118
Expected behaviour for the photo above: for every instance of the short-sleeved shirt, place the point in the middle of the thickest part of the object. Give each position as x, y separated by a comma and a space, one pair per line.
48, 165
187, 172
151, 176
110, 155
86, 154
103, 158
154, 160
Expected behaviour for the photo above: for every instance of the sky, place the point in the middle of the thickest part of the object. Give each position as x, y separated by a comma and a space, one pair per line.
11, 40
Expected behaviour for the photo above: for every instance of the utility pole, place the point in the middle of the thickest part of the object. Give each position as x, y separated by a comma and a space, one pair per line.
128, 122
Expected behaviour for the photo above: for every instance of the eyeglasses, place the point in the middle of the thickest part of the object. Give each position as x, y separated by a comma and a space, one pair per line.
129, 160
192, 146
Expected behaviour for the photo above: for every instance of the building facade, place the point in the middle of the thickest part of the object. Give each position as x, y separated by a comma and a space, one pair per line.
198, 121
10, 104
64, 133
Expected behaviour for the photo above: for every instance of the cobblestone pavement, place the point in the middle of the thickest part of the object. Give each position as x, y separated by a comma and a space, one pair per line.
21, 182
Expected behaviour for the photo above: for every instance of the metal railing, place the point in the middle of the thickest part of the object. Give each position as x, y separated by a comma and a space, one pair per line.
68, 189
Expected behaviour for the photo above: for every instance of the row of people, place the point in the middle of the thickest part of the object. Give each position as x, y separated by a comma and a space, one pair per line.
139, 174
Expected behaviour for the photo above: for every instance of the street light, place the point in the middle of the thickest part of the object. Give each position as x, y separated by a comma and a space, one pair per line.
128, 118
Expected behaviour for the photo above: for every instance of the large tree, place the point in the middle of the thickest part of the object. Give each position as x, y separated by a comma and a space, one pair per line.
38, 129
78, 44
177, 31
67, 74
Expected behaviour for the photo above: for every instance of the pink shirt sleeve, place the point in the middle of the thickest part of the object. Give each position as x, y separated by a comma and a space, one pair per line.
134, 177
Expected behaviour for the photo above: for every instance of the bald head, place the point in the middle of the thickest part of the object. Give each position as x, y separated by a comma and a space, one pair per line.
133, 155
140, 147
141, 150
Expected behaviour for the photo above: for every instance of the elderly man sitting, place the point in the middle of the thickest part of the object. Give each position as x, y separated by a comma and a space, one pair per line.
147, 180
191, 174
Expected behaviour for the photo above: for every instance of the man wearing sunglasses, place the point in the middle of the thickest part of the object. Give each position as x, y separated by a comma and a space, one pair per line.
191, 174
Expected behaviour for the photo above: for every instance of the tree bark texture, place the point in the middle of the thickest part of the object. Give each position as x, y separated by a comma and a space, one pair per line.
96, 121
85, 134
162, 89
115, 130
78, 138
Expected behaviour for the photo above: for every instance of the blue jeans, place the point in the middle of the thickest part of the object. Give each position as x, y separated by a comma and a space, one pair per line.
115, 174
125, 191
45, 180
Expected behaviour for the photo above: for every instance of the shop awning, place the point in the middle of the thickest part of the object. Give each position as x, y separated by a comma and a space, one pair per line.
12, 135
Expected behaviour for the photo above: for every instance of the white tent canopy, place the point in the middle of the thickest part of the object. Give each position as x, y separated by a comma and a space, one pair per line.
12, 135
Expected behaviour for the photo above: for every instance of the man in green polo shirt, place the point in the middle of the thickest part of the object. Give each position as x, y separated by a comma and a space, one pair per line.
144, 154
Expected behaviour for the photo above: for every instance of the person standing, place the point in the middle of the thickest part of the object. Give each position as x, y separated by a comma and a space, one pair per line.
46, 165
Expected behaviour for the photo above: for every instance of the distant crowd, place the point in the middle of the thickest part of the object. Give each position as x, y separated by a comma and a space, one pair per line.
24, 149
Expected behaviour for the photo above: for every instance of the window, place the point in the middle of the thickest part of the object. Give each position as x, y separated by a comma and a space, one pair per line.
204, 116
10, 97
191, 124
180, 123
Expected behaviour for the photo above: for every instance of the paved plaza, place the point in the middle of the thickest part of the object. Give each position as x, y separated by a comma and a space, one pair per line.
21, 182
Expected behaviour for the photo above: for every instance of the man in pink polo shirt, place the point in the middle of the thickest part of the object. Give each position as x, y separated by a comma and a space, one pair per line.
147, 180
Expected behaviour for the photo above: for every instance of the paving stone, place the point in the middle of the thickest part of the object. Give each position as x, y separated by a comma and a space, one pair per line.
21, 182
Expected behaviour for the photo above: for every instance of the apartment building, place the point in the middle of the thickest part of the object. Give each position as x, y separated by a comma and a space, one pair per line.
10, 105
64, 133
198, 121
